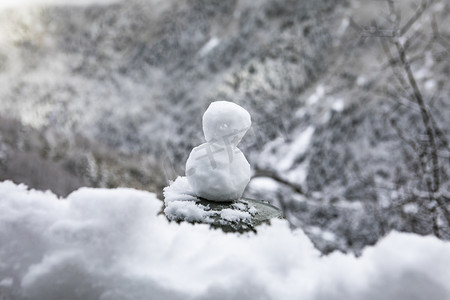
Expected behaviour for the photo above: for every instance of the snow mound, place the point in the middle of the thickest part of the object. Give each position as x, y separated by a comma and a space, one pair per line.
189, 211
181, 203
112, 244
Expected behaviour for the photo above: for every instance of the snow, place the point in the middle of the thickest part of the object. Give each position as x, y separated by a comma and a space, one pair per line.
263, 184
430, 84
361, 81
317, 95
326, 235
188, 211
6, 282
209, 46
180, 205
252, 210
411, 208
240, 206
113, 244
179, 190
217, 175
217, 170
338, 105
343, 26
225, 123
234, 215
297, 148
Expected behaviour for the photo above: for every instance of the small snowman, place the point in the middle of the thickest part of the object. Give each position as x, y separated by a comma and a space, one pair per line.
218, 170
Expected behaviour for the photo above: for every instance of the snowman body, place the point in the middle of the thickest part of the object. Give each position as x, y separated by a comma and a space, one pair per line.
218, 170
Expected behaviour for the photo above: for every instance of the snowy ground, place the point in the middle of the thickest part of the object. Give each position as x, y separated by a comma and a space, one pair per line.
114, 244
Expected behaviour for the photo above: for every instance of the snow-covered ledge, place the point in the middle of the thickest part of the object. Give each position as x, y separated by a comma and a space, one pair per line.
113, 244
242, 215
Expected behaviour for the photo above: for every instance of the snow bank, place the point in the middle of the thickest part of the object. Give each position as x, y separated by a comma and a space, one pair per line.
112, 244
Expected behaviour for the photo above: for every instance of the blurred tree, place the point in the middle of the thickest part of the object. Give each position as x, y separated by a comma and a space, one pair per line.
421, 185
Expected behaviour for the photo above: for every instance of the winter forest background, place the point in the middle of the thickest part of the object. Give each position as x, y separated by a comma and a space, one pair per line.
349, 102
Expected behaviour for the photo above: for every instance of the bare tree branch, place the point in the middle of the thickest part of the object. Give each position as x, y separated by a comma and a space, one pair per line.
424, 113
272, 174
420, 10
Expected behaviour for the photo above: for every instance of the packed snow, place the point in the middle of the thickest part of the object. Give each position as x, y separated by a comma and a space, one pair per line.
189, 211
182, 205
217, 170
232, 215
114, 244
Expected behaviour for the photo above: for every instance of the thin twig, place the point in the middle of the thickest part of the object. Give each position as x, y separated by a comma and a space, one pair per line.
420, 10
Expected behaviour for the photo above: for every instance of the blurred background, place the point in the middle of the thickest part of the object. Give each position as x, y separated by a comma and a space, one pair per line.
349, 101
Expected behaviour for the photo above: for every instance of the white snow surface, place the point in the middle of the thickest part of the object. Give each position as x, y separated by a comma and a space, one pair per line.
181, 205
217, 170
232, 215
180, 202
298, 147
113, 244
188, 211
209, 46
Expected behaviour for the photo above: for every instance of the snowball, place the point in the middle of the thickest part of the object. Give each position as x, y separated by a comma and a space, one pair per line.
225, 123
216, 174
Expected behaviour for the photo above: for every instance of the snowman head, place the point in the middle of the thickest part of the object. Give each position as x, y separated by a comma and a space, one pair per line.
225, 123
